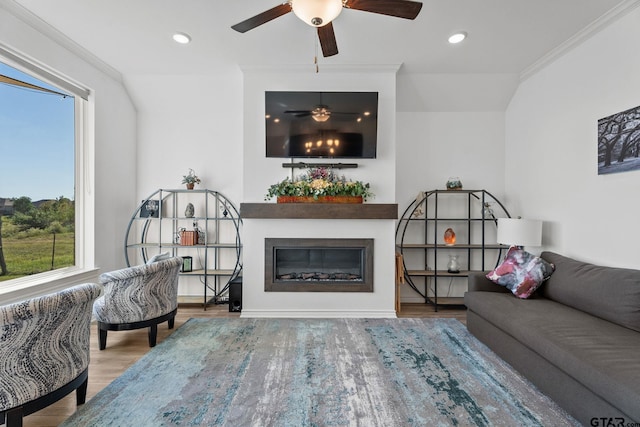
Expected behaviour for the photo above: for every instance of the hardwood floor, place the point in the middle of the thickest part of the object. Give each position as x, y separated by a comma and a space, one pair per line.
124, 348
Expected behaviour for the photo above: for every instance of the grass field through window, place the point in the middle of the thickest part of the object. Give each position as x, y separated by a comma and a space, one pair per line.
35, 250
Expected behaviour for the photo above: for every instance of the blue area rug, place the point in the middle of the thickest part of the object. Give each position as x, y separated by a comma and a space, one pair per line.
320, 372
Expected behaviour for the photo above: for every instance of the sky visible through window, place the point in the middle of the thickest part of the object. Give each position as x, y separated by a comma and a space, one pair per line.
36, 140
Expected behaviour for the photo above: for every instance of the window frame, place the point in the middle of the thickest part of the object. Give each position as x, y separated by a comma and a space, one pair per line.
84, 269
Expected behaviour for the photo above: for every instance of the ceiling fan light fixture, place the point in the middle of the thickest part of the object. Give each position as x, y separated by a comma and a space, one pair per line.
317, 13
320, 114
457, 37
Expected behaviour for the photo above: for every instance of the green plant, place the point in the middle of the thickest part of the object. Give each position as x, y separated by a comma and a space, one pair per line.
190, 178
319, 182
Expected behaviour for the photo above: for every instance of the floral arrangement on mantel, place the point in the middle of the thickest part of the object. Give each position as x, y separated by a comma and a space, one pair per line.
320, 184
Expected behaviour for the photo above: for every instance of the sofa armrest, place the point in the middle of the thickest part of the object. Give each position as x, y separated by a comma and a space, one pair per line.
478, 282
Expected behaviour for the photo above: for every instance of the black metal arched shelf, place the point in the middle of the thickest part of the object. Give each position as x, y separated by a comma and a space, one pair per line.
419, 238
156, 224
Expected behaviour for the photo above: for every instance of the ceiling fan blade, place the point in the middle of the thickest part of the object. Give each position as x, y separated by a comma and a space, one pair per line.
398, 8
262, 18
328, 40
298, 113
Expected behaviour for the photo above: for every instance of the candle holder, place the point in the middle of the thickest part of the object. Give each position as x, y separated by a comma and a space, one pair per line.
453, 266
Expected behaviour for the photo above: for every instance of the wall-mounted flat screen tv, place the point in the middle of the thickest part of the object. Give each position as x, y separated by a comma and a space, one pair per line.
321, 124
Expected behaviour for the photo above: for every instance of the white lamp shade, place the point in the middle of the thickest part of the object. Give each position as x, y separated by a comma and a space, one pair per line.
317, 13
519, 232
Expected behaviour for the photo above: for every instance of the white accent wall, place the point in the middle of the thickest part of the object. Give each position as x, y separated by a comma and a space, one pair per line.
260, 172
551, 149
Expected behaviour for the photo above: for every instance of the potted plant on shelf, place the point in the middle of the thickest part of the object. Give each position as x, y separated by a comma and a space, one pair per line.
319, 185
191, 179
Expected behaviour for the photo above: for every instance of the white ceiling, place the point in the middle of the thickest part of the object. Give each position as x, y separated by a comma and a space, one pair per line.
506, 37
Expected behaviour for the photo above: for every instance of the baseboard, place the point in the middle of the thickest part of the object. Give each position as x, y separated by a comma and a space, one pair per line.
319, 314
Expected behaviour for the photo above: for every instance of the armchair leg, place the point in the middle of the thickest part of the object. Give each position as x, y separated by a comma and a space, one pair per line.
172, 322
14, 417
102, 338
81, 392
153, 333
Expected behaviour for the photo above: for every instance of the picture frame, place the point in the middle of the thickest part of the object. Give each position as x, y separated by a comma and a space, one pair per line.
619, 142
150, 209
187, 264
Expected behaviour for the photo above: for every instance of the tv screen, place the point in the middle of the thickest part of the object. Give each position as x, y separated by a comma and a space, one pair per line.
321, 124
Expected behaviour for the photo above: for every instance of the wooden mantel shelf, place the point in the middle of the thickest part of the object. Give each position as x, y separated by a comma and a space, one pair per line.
318, 211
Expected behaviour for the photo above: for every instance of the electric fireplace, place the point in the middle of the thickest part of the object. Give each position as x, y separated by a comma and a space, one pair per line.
318, 265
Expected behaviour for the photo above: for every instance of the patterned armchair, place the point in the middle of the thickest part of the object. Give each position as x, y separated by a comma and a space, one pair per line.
138, 297
44, 351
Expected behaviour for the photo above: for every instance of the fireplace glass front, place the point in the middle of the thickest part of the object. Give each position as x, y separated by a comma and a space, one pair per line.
319, 265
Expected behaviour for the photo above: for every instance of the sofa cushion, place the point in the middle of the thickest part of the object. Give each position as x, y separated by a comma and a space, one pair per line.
521, 272
599, 354
609, 293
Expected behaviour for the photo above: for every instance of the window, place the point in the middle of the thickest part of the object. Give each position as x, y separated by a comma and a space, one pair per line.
41, 151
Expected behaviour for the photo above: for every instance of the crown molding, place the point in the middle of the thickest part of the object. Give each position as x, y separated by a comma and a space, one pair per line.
37, 23
596, 26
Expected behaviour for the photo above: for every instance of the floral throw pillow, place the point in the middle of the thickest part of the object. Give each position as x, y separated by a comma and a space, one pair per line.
521, 272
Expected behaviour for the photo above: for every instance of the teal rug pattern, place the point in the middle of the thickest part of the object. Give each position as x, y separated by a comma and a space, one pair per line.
320, 372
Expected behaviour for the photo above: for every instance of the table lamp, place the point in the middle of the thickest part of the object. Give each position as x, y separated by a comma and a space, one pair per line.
519, 232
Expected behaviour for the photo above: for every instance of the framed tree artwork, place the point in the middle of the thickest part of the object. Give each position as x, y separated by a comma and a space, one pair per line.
619, 142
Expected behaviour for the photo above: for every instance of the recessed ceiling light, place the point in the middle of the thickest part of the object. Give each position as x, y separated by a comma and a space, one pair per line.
182, 38
457, 37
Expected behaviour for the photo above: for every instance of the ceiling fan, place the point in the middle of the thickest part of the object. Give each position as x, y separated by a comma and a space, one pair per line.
321, 13
320, 113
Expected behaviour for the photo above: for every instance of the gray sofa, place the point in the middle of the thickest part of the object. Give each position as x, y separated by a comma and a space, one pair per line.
577, 338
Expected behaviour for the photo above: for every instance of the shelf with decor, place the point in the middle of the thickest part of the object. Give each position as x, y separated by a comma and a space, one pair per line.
202, 226
443, 235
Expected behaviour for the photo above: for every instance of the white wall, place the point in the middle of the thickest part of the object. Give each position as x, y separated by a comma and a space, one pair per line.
188, 121
114, 182
433, 146
551, 148
258, 303
260, 172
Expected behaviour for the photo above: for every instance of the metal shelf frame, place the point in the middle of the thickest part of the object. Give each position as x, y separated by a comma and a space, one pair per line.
425, 211
146, 233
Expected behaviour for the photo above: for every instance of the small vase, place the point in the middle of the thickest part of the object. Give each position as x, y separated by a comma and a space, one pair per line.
453, 266
487, 212
190, 185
